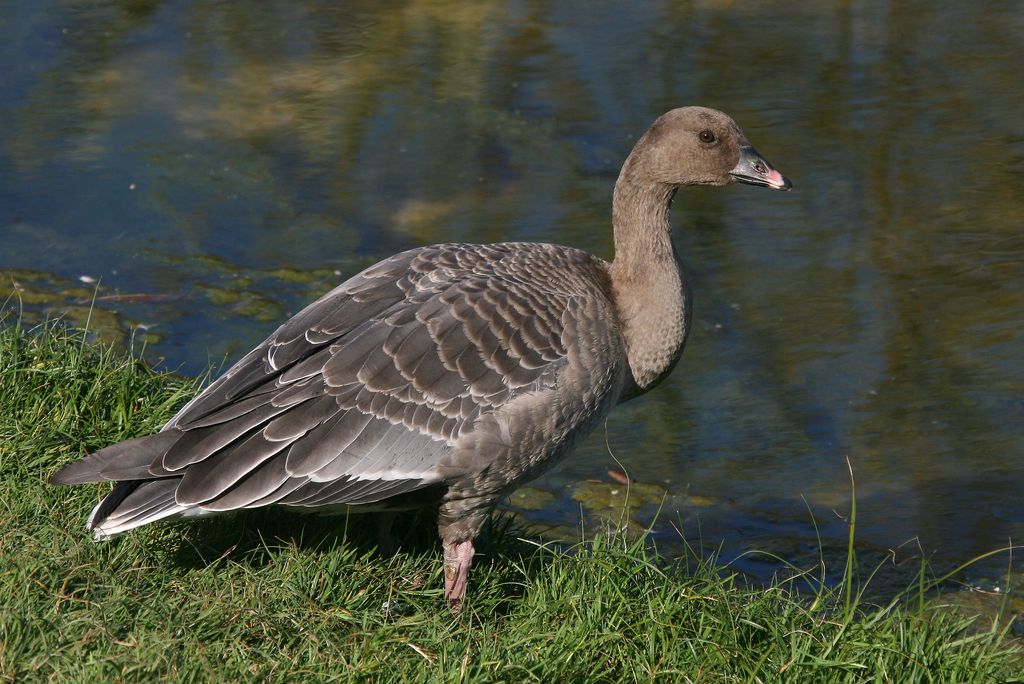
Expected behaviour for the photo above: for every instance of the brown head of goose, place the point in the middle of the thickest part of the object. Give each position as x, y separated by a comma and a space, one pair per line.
448, 374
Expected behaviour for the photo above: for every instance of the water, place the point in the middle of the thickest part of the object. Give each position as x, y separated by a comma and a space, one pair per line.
215, 166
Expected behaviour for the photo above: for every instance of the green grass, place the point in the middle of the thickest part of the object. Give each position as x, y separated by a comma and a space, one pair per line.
270, 596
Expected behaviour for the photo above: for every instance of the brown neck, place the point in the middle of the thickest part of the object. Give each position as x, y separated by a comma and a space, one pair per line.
647, 278
643, 232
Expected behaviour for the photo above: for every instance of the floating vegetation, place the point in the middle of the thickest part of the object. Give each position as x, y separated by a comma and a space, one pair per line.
243, 302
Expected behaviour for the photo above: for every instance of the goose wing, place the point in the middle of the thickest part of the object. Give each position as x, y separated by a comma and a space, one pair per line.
357, 397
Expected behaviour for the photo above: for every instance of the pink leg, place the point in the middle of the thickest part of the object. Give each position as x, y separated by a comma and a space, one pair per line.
458, 556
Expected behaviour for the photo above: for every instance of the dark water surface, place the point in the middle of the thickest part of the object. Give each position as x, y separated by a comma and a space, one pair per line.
217, 165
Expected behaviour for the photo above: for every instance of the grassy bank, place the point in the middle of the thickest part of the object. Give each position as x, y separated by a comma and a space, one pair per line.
270, 596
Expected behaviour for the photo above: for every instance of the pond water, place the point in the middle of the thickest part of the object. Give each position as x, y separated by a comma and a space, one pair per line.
214, 166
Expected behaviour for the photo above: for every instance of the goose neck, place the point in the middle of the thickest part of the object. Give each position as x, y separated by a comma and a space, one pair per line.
643, 231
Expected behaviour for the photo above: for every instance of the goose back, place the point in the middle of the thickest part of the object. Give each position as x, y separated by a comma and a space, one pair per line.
469, 365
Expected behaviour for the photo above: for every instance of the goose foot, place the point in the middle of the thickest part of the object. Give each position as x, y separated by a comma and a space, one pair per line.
458, 556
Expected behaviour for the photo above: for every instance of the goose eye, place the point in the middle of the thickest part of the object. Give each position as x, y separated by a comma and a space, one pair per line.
707, 137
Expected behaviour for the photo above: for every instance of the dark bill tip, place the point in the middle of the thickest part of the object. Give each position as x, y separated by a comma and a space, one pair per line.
754, 169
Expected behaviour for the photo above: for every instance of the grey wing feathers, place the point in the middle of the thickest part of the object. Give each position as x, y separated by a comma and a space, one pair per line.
357, 397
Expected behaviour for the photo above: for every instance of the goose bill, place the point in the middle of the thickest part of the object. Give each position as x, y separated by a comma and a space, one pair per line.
755, 170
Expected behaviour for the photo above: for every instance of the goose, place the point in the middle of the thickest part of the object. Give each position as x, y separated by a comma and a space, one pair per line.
443, 376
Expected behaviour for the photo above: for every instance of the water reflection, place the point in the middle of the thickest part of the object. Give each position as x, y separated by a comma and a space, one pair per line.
228, 163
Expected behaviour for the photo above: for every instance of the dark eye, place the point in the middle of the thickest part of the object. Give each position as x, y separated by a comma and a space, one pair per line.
707, 137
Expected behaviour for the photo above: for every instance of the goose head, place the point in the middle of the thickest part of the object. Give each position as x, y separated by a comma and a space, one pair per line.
701, 146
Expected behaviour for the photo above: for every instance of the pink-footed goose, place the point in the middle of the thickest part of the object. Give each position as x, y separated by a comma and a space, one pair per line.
447, 374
